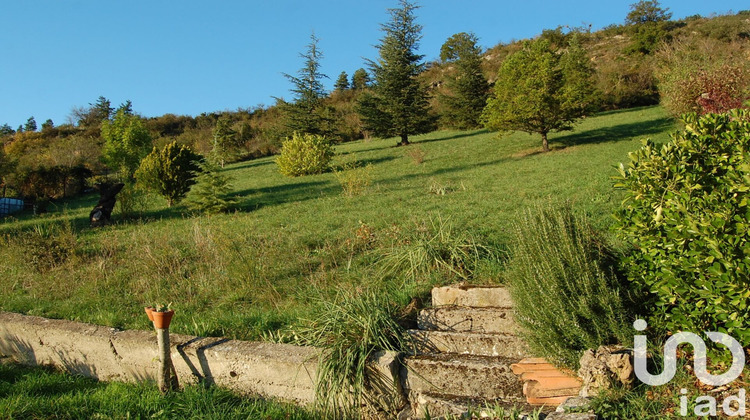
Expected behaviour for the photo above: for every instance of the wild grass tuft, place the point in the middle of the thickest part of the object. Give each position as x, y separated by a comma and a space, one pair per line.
351, 329
354, 178
47, 246
562, 278
417, 154
432, 247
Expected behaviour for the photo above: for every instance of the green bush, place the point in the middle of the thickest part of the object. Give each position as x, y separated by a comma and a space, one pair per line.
562, 279
686, 213
169, 171
305, 154
704, 77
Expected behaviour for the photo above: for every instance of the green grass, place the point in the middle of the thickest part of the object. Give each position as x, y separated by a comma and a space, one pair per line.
295, 242
43, 393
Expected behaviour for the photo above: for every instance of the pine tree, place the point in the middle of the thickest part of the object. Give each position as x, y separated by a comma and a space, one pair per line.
342, 83
399, 103
30, 124
468, 87
48, 125
210, 194
360, 80
224, 138
304, 113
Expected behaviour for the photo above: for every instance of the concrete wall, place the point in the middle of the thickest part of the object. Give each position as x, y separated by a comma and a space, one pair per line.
266, 369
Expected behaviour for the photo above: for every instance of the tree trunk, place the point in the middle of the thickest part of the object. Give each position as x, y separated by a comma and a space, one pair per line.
404, 140
545, 144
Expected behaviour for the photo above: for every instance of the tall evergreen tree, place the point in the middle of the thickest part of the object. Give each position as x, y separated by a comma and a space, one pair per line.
30, 124
47, 125
342, 83
360, 79
399, 103
6, 129
224, 139
304, 113
468, 88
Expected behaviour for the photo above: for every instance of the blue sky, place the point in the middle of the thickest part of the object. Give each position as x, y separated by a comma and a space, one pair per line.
188, 57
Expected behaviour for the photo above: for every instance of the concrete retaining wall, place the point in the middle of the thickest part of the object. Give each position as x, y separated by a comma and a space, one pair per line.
266, 369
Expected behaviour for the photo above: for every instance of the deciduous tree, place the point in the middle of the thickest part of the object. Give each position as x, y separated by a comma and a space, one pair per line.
539, 90
126, 142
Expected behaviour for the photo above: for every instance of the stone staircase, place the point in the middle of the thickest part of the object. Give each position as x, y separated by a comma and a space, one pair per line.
465, 346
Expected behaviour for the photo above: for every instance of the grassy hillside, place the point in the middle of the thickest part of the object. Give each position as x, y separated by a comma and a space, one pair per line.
294, 241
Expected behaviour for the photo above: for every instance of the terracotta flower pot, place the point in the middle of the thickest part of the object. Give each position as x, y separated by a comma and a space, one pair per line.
162, 319
149, 312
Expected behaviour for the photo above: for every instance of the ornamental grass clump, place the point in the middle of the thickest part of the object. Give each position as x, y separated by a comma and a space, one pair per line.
432, 248
565, 286
351, 329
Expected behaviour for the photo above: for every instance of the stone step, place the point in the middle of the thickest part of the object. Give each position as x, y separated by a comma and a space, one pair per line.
479, 344
442, 406
472, 296
460, 319
475, 377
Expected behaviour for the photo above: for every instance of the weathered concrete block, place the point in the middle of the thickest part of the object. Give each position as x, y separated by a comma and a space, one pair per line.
472, 296
266, 369
460, 319
478, 344
462, 376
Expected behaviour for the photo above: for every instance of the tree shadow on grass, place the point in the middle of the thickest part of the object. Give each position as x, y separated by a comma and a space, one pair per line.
616, 133
284, 193
254, 163
459, 135
362, 162
443, 171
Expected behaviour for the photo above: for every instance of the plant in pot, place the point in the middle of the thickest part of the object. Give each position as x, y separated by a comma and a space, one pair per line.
149, 312
162, 316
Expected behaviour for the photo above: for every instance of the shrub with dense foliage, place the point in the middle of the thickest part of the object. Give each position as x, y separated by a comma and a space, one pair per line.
305, 154
169, 172
704, 77
562, 278
686, 213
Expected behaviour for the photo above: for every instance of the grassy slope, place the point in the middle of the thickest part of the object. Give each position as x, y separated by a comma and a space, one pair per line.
261, 268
